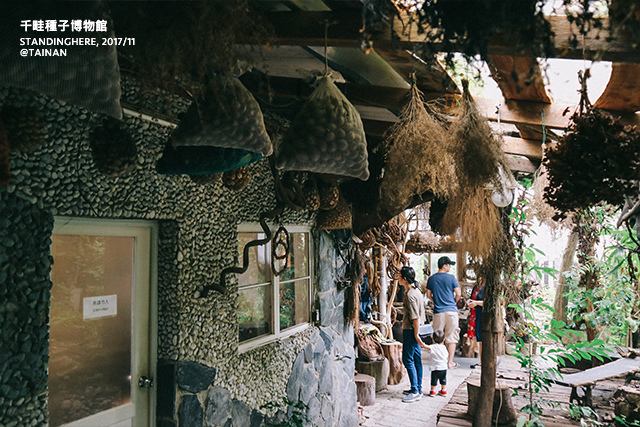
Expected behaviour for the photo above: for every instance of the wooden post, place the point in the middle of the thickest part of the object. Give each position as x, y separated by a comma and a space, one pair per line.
503, 411
560, 301
393, 352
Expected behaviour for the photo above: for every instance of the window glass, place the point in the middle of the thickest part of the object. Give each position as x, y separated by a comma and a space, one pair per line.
268, 303
298, 259
255, 312
259, 270
294, 303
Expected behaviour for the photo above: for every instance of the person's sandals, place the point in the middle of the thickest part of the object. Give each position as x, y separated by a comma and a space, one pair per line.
475, 365
455, 365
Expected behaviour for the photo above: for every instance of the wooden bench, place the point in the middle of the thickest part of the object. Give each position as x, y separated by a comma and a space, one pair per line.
588, 378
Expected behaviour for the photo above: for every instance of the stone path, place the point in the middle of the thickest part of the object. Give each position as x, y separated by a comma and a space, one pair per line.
390, 411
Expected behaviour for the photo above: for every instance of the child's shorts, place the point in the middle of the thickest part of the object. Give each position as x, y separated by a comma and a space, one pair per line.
439, 376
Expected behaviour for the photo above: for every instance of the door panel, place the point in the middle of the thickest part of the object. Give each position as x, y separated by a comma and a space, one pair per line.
100, 323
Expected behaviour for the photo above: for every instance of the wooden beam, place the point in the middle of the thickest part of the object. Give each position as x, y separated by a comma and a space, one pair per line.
307, 29
430, 75
556, 116
519, 77
520, 164
623, 90
531, 149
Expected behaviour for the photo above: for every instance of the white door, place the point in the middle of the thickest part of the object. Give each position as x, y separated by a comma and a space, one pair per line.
102, 323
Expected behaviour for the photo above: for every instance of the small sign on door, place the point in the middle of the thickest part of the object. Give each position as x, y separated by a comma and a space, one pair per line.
93, 307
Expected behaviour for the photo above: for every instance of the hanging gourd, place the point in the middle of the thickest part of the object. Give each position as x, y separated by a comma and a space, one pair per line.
113, 149
327, 136
418, 158
226, 116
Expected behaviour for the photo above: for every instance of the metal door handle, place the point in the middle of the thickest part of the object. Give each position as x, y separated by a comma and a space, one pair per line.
144, 382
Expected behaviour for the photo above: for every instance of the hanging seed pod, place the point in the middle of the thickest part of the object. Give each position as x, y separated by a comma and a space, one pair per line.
227, 116
210, 179
327, 136
113, 150
337, 218
25, 129
5, 167
236, 179
329, 197
310, 195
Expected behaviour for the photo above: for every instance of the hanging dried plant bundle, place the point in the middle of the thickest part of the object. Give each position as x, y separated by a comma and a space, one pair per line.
113, 149
5, 166
473, 216
418, 159
478, 153
539, 207
597, 160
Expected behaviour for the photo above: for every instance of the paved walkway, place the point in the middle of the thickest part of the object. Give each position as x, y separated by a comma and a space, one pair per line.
390, 411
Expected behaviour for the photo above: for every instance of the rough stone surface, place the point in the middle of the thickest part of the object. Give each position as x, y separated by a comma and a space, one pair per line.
190, 413
218, 407
240, 414
194, 377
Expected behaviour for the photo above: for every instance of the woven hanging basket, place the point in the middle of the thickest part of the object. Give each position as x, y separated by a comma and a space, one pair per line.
335, 219
237, 179
310, 195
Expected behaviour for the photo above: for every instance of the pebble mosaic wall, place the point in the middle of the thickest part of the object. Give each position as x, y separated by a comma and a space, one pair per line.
197, 238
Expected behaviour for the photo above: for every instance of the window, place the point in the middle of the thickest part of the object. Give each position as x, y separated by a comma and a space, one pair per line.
271, 306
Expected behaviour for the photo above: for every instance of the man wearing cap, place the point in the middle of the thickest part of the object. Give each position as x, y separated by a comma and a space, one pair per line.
443, 289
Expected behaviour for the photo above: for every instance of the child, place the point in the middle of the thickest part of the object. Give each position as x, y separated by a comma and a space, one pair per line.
439, 363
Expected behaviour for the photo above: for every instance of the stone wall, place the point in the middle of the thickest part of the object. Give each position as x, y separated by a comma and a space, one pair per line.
197, 238
25, 266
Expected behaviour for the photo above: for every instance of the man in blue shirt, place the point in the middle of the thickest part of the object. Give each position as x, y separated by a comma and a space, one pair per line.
443, 289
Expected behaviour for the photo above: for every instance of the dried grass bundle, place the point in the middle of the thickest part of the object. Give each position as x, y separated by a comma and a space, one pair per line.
473, 216
477, 152
418, 159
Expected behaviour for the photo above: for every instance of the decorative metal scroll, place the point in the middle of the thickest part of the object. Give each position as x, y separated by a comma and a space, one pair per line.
221, 286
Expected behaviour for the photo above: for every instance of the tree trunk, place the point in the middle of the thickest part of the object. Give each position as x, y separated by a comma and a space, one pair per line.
560, 302
491, 325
